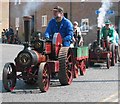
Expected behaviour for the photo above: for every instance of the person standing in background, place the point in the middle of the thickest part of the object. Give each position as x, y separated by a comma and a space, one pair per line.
77, 39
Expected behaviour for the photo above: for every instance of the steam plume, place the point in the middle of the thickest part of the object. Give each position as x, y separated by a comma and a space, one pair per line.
106, 4
31, 7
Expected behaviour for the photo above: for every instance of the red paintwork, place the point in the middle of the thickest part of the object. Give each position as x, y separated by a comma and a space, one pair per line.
58, 43
41, 58
102, 55
105, 44
48, 47
76, 72
80, 62
81, 58
99, 57
53, 66
82, 67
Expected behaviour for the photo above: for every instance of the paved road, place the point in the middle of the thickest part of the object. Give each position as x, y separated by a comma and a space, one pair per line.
98, 85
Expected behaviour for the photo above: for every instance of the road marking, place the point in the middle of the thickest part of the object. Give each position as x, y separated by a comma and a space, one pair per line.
108, 99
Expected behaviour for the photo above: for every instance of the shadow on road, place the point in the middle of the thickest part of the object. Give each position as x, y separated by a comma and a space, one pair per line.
22, 87
101, 66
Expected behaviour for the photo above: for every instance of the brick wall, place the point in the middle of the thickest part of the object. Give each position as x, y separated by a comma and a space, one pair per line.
78, 11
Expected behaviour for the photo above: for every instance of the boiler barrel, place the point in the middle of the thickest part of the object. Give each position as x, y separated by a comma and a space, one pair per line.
27, 58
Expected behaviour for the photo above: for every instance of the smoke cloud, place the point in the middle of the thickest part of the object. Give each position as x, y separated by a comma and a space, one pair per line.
31, 7
106, 5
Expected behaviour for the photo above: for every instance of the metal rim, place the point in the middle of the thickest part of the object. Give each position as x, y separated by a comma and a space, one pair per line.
65, 58
108, 60
113, 56
57, 41
116, 57
69, 65
43, 77
9, 77
82, 67
76, 72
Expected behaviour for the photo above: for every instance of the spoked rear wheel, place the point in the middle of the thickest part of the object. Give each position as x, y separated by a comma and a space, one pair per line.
65, 58
82, 67
76, 71
9, 76
43, 77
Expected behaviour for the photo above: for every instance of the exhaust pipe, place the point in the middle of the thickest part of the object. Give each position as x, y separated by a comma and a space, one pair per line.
27, 28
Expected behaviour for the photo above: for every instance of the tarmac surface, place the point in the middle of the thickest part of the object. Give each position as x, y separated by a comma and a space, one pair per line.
98, 85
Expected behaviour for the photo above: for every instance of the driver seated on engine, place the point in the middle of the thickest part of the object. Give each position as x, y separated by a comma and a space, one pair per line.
60, 24
107, 33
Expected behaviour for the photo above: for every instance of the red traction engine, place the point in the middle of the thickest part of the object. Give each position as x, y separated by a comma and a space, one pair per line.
101, 51
35, 64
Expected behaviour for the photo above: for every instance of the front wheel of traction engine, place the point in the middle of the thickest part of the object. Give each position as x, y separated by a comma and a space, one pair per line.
43, 77
76, 71
82, 67
113, 55
65, 58
108, 60
9, 76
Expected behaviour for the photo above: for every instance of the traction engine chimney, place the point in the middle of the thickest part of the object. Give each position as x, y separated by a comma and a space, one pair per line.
27, 28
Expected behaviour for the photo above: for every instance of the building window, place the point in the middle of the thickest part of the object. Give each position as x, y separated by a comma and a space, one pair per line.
84, 25
17, 2
44, 20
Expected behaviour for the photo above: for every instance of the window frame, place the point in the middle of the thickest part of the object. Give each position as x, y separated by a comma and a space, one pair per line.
44, 20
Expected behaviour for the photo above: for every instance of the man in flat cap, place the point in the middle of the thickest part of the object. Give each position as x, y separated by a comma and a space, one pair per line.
107, 30
59, 24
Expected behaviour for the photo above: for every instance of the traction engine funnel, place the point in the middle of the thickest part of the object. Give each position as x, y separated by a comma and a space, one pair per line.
27, 28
